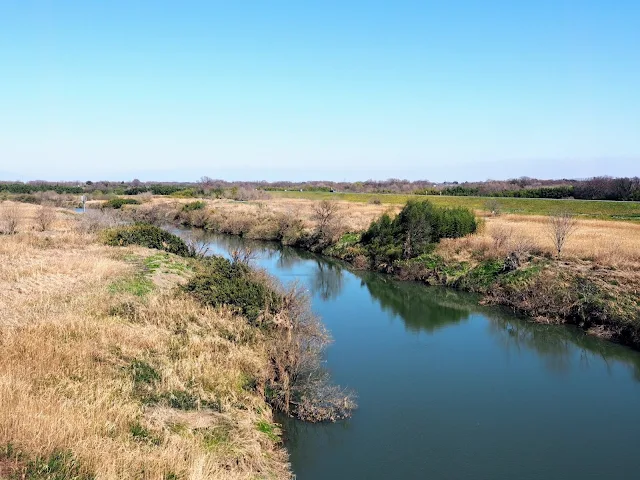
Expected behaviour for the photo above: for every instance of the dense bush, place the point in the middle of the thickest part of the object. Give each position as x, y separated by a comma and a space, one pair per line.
415, 230
119, 202
222, 282
186, 193
159, 189
461, 191
148, 236
135, 190
191, 206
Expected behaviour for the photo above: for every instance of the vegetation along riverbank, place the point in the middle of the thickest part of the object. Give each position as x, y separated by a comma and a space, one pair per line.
128, 355
591, 280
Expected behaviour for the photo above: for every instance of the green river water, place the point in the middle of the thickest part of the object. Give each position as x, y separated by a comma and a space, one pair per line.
448, 389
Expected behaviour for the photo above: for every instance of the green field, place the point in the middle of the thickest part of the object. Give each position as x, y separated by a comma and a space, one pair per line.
598, 209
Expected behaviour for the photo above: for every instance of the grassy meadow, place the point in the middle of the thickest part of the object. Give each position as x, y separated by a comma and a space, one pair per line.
596, 209
109, 372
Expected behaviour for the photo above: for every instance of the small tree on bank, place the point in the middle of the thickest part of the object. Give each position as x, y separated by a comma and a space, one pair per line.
44, 218
325, 215
9, 219
561, 226
415, 230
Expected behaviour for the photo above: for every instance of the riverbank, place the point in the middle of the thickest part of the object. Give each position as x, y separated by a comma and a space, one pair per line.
110, 370
595, 284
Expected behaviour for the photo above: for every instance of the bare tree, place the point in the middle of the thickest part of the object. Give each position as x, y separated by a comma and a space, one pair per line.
197, 246
325, 214
45, 216
243, 255
93, 221
501, 236
493, 206
10, 219
300, 384
561, 226
206, 181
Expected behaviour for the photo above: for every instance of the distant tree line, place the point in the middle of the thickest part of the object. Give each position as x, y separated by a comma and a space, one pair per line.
598, 188
22, 188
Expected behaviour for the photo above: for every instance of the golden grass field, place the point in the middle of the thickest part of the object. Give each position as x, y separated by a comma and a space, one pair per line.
73, 325
612, 243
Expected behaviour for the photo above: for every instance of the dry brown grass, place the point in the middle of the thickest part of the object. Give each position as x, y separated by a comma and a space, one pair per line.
352, 217
606, 242
68, 344
601, 241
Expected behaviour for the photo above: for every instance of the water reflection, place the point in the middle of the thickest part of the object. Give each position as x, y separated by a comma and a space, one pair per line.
427, 310
420, 308
503, 397
556, 344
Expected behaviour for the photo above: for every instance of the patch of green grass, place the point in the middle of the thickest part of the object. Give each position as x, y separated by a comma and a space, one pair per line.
138, 285
142, 434
248, 383
61, 465
143, 373
215, 437
600, 209
166, 263
521, 276
181, 400
179, 428
349, 238
269, 430
482, 276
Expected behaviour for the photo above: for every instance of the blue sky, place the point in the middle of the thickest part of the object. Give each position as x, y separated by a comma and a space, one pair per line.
439, 90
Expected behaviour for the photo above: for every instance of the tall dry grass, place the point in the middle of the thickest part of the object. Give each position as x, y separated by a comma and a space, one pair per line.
68, 345
604, 242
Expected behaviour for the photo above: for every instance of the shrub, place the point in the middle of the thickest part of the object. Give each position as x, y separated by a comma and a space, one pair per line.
44, 218
561, 226
415, 230
9, 219
191, 206
93, 221
222, 282
148, 236
185, 193
493, 206
119, 202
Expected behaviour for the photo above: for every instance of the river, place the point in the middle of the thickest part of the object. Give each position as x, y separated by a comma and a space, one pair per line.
448, 389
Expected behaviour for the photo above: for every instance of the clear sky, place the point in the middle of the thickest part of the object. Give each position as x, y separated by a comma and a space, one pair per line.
439, 90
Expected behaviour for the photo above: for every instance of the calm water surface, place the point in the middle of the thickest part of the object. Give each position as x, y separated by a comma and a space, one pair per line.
450, 390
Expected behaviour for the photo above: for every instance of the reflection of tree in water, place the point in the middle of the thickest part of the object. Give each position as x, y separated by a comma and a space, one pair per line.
555, 344
327, 277
287, 258
295, 430
421, 308
428, 309
327, 280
